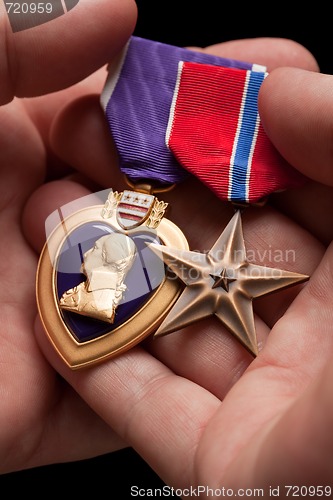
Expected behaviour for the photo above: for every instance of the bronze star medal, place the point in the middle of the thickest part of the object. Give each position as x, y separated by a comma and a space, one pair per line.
222, 283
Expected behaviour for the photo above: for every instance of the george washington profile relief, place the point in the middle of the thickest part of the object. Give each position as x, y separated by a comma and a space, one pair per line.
105, 265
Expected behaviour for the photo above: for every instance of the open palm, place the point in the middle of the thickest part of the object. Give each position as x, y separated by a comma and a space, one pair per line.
194, 404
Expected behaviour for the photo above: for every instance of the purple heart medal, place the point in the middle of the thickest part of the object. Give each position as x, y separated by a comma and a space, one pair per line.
107, 276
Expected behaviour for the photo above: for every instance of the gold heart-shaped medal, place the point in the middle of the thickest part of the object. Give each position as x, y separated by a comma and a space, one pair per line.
100, 288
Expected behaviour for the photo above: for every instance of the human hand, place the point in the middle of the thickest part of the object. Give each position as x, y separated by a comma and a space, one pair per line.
194, 404
42, 418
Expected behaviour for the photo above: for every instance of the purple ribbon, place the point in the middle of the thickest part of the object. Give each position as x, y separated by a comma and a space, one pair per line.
137, 99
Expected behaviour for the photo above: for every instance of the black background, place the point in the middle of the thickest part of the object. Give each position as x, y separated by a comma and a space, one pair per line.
180, 23
205, 22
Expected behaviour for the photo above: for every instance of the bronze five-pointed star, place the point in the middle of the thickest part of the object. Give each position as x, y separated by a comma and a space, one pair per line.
222, 283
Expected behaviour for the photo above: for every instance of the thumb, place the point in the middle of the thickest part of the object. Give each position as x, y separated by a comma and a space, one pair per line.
296, 109
60, 51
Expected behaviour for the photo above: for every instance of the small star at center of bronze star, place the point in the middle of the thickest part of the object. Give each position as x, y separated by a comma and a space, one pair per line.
222, 280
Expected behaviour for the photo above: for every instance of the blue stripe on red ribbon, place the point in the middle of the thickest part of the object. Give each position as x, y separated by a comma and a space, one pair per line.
245, 139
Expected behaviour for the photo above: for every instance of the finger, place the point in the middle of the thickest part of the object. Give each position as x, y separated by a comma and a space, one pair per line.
50, 408
43, 109
303, 338
46, 199
269, 52
81, 138
300, 463
309, 207
63, 51
150, 408
312, 415
293, 445
289, 372
296, 109
22, 161
275, 241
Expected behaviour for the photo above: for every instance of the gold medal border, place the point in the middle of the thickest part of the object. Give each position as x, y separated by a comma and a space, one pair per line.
78, 355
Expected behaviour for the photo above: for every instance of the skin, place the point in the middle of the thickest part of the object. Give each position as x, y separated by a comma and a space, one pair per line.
42, 406
194, 404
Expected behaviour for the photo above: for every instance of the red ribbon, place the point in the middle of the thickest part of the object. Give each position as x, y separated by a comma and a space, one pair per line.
216, 134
